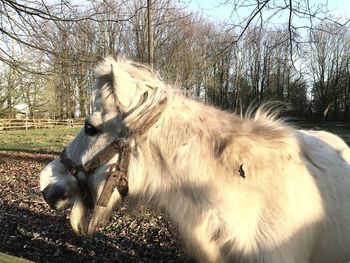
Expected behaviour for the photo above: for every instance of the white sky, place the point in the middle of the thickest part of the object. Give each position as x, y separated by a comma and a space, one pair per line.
217, 11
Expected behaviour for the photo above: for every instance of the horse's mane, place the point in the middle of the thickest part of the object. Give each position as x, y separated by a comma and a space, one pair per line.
128, 72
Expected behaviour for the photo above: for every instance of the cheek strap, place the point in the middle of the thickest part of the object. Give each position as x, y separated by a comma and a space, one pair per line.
117, 175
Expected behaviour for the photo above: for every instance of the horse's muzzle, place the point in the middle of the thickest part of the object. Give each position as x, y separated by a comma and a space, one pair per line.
53, 194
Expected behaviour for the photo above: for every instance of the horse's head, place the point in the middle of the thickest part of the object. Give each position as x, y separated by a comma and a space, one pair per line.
75, 180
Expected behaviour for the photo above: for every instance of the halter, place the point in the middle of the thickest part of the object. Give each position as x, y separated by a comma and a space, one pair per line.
117, 175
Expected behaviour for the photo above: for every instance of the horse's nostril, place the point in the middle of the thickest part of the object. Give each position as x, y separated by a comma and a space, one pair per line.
54, 193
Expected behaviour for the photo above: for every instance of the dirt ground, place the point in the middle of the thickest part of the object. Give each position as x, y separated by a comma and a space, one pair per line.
29, 229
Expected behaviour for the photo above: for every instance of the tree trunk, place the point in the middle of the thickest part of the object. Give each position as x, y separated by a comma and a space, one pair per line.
150, 34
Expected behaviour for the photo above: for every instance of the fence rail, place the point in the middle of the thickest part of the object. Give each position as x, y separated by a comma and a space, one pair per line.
25, 124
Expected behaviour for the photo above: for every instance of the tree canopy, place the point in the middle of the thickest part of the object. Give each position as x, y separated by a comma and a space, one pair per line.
289, 51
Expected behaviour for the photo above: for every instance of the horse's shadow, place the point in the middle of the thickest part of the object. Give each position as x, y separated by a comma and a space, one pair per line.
28, 229
42, 237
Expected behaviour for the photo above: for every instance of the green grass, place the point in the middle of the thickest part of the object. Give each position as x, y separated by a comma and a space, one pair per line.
37, 140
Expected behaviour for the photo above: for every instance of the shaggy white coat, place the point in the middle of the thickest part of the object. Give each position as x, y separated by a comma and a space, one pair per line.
291, 205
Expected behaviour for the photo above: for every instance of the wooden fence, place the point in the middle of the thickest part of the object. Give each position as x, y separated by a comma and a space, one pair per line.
25, 124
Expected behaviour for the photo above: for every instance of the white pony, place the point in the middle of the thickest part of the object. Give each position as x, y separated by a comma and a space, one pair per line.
239, 189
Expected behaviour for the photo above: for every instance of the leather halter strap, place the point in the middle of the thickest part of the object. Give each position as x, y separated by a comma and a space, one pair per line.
117, 175
118, 172
74, 170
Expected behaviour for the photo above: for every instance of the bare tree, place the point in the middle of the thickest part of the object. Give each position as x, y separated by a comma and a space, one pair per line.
296, 15
329, 54
249, 58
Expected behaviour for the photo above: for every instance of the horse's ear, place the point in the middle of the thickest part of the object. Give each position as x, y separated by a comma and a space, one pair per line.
116, 79
115, 56
98, 59
106, 80
104, 73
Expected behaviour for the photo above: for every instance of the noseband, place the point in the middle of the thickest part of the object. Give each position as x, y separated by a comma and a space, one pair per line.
117, 174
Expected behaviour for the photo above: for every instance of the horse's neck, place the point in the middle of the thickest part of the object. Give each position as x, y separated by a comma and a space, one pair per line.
186, 170
204, 210
180, 179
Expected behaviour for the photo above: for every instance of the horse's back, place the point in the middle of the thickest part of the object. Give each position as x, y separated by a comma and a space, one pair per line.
333, 141
328, 157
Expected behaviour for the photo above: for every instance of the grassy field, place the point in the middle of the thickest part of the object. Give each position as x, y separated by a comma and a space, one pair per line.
37, 140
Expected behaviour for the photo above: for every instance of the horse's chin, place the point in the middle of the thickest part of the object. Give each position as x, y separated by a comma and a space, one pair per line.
79, 217
99, 216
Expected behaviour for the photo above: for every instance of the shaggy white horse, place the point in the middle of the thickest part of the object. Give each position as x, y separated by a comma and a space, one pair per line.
239, 189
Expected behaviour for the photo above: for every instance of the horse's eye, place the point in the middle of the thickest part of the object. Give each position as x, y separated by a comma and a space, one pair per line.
90, 130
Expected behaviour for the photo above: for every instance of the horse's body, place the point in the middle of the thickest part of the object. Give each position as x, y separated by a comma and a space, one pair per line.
238, 189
